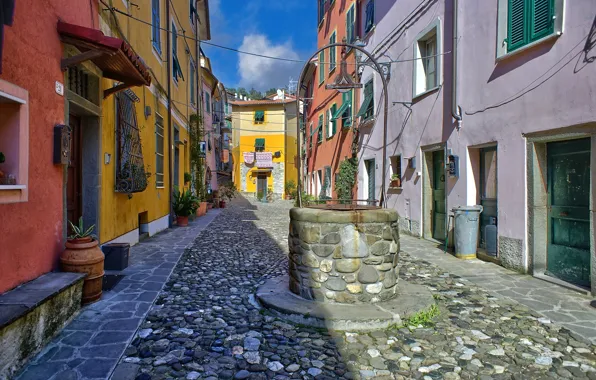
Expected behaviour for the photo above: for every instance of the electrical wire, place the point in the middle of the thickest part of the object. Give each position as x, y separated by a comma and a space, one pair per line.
255, 54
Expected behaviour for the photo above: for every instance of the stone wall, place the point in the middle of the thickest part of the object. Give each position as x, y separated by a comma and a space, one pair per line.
344, 256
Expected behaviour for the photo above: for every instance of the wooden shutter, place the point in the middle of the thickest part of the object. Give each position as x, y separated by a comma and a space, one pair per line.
334, 122
350, 25
541, 18
321, 67
517, 31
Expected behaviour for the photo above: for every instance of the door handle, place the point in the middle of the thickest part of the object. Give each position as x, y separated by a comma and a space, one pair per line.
564, 213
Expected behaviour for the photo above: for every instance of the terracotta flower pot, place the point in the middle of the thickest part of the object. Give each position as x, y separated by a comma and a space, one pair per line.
395, 183
182, 221
222, 204
84, 256
202, 210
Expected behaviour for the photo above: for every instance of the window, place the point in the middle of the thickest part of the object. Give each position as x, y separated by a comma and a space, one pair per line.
14, 143
321, 11
192, 13
207, 102
176, 69
345, 111
370, 16
159, 150
528, 21
332, 121
259, 145
259, 117
321, 67
310, 136
350, 30
367, 110
326, 187
320, 130
427, 64
395, 168
193, 95
155, 25
332, 53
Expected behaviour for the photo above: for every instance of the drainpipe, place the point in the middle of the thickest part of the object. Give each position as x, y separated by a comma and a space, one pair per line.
455, 109
169, 79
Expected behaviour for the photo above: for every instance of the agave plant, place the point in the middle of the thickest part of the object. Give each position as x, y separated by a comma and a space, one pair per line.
79, 232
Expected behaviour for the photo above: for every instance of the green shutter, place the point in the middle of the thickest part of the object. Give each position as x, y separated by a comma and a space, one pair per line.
260, 143
332, 53
333, 121
350, 25
517, 31
347, 114
541, 18
320, 129
321, 67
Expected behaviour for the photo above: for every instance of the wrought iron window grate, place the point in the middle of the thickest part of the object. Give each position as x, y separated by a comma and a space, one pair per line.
130, 170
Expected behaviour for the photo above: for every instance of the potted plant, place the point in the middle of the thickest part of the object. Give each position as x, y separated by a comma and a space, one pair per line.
202, 209
270, 195
187, 178
290, 189
227, 191
395, 181
82, 255
209, 200
185, 204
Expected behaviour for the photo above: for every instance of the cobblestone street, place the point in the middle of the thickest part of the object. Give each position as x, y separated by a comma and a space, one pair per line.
205, 323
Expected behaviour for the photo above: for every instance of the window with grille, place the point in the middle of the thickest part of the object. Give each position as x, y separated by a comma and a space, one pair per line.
130, 168
83, 84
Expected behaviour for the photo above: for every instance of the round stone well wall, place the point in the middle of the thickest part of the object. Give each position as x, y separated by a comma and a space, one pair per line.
347, 257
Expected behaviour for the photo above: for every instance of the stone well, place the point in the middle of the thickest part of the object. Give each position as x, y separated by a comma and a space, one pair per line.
343, 257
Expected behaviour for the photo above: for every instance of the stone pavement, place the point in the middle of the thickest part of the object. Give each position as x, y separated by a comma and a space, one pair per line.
90, 346
205, 323
564, 306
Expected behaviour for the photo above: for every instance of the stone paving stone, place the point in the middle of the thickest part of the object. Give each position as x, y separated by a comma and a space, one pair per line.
90, 346
205, 323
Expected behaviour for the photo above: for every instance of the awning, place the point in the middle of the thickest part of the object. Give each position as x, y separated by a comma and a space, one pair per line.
365, 104
113, 56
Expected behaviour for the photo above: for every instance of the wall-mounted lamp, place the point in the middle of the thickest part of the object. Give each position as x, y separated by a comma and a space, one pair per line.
107, 158
61, 144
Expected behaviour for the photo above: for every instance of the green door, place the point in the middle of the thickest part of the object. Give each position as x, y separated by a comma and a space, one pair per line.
262, 187
568, 256
438, 203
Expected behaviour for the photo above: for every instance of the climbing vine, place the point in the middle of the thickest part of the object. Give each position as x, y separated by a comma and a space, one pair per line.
346, 179
197, 155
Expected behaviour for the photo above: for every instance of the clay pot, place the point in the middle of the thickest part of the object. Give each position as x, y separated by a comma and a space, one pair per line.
395, 183
202, 210
182, 221
222, 204
84, 256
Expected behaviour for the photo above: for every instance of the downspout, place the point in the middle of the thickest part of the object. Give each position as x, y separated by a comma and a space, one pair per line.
455, 109
199, 90
169, 78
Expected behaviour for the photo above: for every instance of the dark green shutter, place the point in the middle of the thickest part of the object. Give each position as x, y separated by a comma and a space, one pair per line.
517, 31
260, 144
321, 67
334, 122
541, 18
350, 25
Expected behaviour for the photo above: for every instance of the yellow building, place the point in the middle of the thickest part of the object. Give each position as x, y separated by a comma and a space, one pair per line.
144, 130
264, 145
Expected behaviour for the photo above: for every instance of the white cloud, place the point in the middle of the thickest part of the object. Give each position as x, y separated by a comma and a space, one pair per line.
264, 73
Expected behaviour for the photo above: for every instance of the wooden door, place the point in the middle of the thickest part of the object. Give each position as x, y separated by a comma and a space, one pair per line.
568, 179
438, 201
74, 183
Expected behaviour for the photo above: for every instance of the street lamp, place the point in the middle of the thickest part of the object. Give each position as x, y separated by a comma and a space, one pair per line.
344, 83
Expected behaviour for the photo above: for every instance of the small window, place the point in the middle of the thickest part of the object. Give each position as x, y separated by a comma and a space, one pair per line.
207, 102
395, 170
326, 186
320, 130
321, 67
370, 16
155, 25
192, 13
259, 117
321, 11
159, 151
427, 62
350, 29
346, 114
367, 110
332, 52
176, 68
529, 21
310, 136
332, 121
260, 144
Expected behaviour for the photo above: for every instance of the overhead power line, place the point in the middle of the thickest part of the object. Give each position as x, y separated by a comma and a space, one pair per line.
253, 54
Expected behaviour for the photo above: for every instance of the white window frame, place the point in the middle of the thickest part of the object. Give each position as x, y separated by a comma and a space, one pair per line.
419, 79
502, 29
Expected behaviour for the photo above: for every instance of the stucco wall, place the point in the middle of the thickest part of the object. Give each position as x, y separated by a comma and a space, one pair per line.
32, 232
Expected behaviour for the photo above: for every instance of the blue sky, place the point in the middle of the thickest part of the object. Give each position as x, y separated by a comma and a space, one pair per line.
267, 27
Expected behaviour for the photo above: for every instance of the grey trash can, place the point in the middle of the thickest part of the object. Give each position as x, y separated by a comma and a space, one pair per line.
467, 222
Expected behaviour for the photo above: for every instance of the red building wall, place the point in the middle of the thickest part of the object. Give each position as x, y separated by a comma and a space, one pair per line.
331, 152
31, 233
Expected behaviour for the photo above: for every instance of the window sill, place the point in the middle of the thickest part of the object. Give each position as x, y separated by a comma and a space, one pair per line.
423, 94
13, 187
157, 54
528, 46
160, 187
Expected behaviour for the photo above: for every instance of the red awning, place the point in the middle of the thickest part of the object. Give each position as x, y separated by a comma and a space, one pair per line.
113, 56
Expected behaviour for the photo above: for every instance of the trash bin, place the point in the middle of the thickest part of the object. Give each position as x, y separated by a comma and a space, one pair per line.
467, 221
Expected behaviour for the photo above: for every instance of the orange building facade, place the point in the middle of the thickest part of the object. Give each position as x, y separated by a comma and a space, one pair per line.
329, 134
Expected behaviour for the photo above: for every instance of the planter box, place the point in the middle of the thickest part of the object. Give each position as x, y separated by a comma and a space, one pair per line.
117, 255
